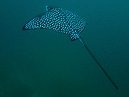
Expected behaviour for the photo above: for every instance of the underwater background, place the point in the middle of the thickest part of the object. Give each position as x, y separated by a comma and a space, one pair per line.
45, 63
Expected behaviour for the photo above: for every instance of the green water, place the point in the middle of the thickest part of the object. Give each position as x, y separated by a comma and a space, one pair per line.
44, 63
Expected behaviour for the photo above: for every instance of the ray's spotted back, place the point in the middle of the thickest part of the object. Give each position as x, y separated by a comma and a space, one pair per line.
59, 20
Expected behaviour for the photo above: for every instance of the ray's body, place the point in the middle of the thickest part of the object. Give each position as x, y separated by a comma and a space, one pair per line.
66, 22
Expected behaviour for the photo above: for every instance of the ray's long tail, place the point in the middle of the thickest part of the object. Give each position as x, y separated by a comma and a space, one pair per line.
98, 63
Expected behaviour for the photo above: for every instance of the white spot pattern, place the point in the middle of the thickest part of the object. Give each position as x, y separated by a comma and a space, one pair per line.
59, 20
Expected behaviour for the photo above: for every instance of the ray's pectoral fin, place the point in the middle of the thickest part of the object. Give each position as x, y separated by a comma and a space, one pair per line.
35, 23
32, 24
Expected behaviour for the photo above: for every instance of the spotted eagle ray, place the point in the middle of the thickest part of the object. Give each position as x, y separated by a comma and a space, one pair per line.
66, 22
